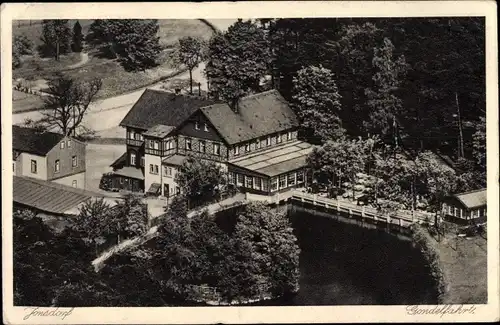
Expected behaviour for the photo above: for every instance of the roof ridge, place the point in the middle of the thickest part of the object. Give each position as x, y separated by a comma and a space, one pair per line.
36, 130
471, 191
261, 93
59, 186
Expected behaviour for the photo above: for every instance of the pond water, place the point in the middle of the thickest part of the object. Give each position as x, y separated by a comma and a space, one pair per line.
347, 264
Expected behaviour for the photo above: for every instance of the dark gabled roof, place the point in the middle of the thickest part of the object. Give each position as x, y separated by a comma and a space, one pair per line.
48, 196
159, 107
258, 115
472, 199
33, 141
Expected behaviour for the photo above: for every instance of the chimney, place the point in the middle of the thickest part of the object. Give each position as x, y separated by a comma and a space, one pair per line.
234, 105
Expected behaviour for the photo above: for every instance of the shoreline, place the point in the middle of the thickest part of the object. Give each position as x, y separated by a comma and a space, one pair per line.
458, 270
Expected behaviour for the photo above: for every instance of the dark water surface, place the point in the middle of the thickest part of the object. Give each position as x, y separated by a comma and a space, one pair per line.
346, 264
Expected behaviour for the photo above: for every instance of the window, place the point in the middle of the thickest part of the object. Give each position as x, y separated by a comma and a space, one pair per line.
236, 150
156, 169
167, 170
247, 147
33, 166
274, 184
203, 147
239, 179
177, 190
131, 134
69, 143
142, 161
138, 136
188, 143
265, 185
282, 181
121, 180
230, 178
291, 179
156, 145
268, 141
74, 183
74, 161
196, 125
300, 176
257, 183
132, 158
450, 210
168, 145
289, 136
249, 181
151, 169
257, 144
217, 149
205, 127
62, 144
57, 166
279, 139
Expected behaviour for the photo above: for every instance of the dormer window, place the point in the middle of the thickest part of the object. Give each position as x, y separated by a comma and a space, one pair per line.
205, 127
196, 125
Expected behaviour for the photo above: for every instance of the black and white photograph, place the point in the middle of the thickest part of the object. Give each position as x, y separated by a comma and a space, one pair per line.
251, 161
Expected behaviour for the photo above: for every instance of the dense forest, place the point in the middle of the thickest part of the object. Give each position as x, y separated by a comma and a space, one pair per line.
425, 75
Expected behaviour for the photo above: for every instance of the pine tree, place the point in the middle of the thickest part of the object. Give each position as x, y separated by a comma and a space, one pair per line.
77, 44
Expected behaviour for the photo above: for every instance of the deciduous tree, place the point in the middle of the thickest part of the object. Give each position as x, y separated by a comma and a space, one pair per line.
190, 52
273, 251
56, 37
200, 180
130, 217
133, 41
383, 98
237, 60
21, 45
338, 159
93, 223
67, 102
316, 101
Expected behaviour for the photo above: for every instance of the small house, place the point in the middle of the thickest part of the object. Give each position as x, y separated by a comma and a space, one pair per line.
467, 207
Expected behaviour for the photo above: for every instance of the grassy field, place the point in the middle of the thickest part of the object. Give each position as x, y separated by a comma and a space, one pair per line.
464, 264
22, 102
115, 79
